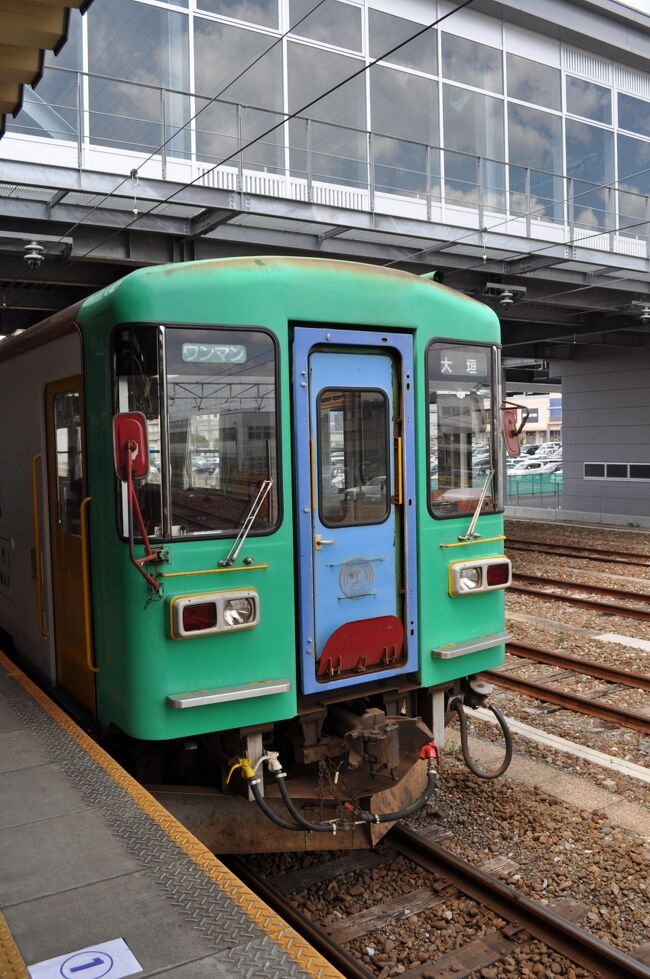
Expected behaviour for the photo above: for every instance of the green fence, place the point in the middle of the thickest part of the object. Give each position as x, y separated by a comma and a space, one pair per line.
534, 490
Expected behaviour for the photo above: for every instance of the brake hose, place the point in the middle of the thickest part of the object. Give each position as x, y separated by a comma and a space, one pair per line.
457, 705
428, 752
253, 782
254, 786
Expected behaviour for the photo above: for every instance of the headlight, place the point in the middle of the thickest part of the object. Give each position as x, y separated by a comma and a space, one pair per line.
469, 578
238, 611
478, 576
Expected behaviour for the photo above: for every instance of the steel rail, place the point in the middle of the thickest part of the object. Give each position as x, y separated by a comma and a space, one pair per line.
570, 701
599, 553
609, 608
553, 929
554, 657
350, 967
540, 579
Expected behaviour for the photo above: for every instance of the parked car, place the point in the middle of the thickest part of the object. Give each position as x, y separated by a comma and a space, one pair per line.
205, 468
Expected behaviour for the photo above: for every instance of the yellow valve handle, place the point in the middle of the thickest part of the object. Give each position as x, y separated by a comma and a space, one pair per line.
247, 769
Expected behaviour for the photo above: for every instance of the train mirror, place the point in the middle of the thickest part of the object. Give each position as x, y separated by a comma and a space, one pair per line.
130, 437
512, 430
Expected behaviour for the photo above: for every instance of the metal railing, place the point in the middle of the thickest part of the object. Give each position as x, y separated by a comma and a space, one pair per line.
303, 156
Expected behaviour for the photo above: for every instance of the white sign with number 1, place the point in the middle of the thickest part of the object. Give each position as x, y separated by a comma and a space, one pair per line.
108, 960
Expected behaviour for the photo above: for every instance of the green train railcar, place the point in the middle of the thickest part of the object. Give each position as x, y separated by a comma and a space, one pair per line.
251, 532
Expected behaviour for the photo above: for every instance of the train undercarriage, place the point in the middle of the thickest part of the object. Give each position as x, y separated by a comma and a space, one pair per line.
336, 777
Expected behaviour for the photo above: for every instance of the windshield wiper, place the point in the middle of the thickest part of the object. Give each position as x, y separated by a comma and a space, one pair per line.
247, 524
471, 530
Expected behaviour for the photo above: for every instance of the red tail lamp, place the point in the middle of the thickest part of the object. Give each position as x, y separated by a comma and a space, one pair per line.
498, 574
198, 617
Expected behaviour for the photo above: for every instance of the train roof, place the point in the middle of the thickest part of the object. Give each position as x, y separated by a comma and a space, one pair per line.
264, 290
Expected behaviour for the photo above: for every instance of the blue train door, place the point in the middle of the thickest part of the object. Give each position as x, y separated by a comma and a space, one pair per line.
355, 469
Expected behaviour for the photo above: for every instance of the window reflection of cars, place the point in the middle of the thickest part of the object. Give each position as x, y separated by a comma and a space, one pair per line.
375, 488
206, 468
532, 468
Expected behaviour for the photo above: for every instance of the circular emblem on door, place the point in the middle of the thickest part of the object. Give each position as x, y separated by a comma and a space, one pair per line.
356, 578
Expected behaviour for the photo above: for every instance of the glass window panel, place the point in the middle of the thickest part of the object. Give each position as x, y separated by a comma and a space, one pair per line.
386, 31
639, 472
354, 471
590, 157
461, 440
634, 114
633, 185
222, 429
261, 87
589, 100
135, 374
339, 155
217, 140
633, 165
617, 470
136, 41
531, 82
594, 470
50, 109
405, 107
535, 141
263, 12
69, 462
471, 63
333, 23
473, 127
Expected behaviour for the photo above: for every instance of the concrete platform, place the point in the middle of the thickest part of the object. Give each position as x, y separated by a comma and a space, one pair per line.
87, 856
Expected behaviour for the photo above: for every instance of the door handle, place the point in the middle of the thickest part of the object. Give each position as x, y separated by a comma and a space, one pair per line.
319, 541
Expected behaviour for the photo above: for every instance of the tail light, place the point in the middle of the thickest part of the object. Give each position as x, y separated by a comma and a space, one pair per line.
498, 574
198, 618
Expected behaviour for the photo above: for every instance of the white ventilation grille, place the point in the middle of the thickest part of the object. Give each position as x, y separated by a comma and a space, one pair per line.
632, 82
587, 65
272, 185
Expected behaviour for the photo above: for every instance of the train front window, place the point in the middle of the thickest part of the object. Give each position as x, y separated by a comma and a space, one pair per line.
461, 430
222, 429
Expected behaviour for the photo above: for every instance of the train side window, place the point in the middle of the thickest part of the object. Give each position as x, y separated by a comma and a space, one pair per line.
69, 462
354, 479
461, 432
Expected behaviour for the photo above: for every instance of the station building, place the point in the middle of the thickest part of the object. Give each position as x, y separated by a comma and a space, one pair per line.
507, 147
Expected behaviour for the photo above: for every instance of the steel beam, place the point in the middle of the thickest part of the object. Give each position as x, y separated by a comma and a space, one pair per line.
209, 220
157, 191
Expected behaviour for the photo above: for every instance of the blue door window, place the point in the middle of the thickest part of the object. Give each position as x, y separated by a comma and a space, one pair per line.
354, 460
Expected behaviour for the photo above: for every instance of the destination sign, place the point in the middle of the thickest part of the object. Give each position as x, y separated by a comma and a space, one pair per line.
459, 363
213, 353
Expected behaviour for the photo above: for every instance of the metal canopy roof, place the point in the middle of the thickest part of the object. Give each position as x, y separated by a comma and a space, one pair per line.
28, 28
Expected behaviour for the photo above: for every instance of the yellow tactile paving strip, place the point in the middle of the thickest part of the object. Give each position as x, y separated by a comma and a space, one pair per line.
12, 965
306, 957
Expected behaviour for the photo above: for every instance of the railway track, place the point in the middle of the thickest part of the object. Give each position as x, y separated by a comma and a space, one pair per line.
632, 558
555, 924
553, 657
523, 584
581, 703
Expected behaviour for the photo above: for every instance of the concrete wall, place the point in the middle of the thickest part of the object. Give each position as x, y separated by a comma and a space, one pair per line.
606, 419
